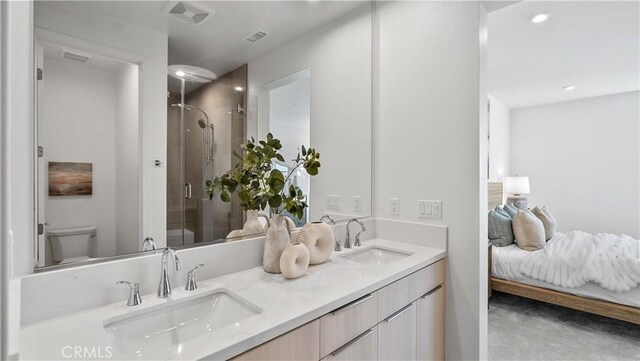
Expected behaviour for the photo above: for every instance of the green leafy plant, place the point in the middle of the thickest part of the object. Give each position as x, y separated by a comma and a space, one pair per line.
258, 183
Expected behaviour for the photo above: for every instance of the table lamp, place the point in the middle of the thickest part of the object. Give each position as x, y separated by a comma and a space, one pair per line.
516, 187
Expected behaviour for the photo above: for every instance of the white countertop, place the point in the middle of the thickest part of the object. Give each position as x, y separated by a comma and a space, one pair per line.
285, 304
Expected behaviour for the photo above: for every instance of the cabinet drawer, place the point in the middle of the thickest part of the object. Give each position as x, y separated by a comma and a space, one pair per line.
406, 290
362, 348
347, 322
299, 344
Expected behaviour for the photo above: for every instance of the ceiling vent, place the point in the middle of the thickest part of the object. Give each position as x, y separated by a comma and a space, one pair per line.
76, 56
189, 12
255, 37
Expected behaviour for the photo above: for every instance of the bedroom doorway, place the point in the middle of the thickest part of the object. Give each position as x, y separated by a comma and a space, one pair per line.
563, 173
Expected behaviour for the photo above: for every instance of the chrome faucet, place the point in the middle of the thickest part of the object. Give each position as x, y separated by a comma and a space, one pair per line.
347, 242
164, 288
149, 244
337, 247
191, 279
134, 293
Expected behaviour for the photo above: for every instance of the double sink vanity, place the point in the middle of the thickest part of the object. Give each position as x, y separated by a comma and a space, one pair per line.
383, 300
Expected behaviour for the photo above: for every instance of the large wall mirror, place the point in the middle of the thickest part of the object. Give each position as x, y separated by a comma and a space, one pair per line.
140, 104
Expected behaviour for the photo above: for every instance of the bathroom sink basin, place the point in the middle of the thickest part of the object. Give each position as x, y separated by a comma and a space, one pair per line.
376, 256
157, 333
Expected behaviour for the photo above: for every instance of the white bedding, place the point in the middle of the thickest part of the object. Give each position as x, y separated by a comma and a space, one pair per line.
507, 262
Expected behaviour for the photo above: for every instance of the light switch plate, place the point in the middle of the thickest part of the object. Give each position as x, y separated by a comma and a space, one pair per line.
394, 206
430, 209
333, 202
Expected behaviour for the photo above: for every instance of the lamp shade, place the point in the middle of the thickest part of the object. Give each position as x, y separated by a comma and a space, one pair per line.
516, 185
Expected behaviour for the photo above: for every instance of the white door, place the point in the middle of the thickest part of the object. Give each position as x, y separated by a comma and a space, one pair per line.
431, 318
397, 335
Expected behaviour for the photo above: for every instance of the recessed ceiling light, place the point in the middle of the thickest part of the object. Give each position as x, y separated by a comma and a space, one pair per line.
569, 87
180, 73
238, 88
540, 18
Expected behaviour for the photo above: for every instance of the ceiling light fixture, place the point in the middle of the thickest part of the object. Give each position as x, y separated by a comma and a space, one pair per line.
180, 73
238, 88
569, 87
540, 18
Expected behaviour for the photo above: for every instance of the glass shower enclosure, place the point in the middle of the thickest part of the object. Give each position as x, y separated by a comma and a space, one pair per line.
205, 125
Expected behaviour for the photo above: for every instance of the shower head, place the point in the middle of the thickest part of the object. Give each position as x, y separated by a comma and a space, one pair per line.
203, 123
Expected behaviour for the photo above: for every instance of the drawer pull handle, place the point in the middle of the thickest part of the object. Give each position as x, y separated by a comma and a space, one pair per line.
431, 292
402, 310
346, 345
352, 304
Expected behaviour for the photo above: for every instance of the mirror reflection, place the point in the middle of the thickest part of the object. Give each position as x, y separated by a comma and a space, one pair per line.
140, 105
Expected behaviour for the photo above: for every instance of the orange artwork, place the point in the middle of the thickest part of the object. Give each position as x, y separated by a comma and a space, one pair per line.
70, 179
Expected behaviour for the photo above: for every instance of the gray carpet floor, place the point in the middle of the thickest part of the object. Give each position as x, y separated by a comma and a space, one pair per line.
522, 329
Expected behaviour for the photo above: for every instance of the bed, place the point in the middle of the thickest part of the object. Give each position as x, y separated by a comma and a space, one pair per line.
506, 276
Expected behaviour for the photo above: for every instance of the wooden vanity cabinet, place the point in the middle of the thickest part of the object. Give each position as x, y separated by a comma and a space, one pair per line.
301, 344
404, 320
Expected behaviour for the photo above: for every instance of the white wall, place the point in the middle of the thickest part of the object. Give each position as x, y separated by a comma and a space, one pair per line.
127, 154
499, 165
78, 121
429, 144
149, 50
582, 158
339, 57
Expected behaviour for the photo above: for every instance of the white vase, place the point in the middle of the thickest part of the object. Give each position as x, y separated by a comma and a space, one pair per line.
319, 239
278, 238
253, 225
294, 260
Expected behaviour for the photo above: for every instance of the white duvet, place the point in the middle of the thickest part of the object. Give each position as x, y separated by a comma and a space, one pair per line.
574, 258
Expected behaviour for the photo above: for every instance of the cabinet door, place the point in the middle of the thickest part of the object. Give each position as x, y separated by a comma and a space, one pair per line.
397, 335
362, 348
431, 328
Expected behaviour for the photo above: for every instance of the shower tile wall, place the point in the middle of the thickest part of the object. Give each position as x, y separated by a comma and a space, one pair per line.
208, 220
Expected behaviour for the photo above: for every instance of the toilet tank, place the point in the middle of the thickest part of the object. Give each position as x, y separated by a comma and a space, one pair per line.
72, 243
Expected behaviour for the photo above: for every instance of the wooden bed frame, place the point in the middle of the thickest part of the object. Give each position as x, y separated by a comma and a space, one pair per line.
602, 308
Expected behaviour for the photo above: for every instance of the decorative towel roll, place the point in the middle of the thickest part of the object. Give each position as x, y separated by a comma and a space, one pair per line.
319, 239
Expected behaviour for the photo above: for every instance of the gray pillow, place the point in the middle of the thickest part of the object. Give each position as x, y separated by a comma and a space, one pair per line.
548, 221
500, 231
502, 211
529, 231
511, 210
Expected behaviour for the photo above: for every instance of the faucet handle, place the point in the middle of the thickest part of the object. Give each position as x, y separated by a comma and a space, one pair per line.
191, 279
134, 293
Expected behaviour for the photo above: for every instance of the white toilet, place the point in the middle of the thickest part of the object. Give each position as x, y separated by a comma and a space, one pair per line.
72, 244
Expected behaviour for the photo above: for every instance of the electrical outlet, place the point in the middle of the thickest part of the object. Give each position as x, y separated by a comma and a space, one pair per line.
394, 206
357, 204
430, 209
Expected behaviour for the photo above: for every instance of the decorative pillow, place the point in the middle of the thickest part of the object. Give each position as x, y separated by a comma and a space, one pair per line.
502, 211
546, 211
548, 222
500, 231
528, 230
511, 210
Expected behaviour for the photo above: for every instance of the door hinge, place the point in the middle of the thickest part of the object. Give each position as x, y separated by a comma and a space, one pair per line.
40, 151
40, 74
40, 229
